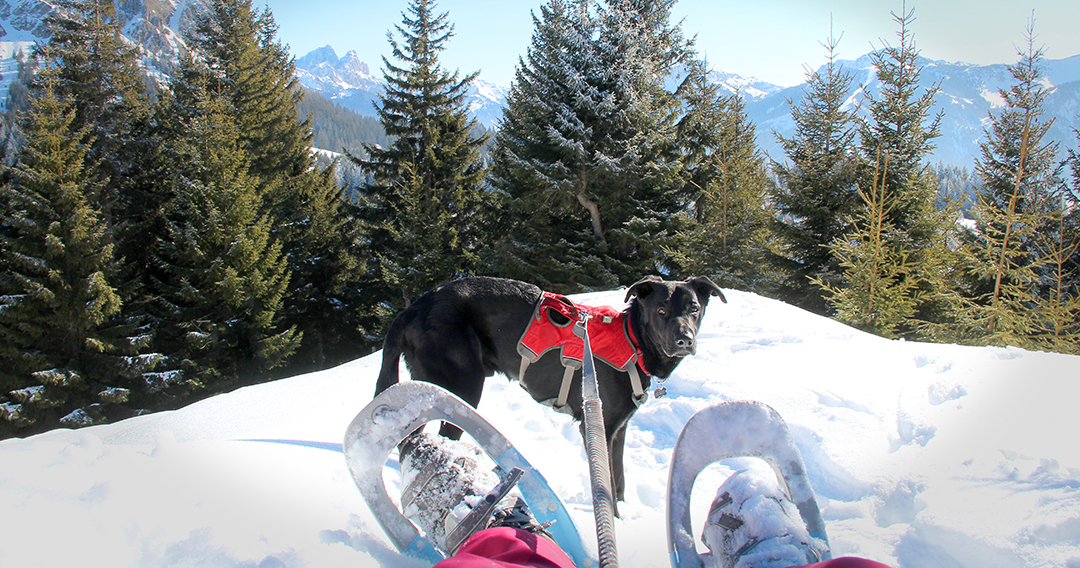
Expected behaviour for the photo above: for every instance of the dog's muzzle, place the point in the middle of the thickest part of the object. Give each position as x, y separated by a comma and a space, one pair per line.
683, 345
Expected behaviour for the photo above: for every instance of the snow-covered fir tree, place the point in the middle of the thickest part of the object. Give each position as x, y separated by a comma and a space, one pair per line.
587, 148
325, 299
97, 71
223, 275
243, 60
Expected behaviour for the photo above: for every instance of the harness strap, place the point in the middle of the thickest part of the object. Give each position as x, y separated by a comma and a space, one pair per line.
635, 381
524, 365
568, 376
564, 389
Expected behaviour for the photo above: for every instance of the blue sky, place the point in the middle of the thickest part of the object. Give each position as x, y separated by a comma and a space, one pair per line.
772, 40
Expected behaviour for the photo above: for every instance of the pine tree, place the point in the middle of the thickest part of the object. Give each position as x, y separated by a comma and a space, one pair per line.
817, 194
900, 132
245, 62
587, 152
97, 71
65, 359
427, 186
223, 273
900, 127
324, 301
541, 160
1059, 247
725, 235
880, 287
241, 59
1057, 312
1018, 171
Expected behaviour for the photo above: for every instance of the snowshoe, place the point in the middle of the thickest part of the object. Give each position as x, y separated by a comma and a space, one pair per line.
765, 517
443, 485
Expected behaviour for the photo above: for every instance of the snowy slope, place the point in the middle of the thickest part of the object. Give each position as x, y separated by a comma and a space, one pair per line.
921, 455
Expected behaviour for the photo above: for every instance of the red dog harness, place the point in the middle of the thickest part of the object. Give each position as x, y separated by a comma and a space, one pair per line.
610, 336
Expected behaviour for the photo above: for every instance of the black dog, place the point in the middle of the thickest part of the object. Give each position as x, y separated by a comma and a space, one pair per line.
463, 331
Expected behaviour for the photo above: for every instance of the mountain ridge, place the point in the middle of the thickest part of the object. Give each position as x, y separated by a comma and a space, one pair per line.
349, 82
968, 92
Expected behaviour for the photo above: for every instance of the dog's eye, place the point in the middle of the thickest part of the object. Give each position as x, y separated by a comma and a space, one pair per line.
662, 311
694, 309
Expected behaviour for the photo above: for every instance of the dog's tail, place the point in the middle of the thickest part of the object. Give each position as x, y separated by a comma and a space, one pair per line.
391, 355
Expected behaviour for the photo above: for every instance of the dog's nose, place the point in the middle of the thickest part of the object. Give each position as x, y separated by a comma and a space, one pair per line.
684, 341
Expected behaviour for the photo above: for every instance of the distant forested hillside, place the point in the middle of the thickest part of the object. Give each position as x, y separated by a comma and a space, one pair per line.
337, 127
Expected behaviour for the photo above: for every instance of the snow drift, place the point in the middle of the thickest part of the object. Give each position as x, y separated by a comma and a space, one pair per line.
920, 454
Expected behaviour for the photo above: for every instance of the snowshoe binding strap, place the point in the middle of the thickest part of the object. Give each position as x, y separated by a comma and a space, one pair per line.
482, 512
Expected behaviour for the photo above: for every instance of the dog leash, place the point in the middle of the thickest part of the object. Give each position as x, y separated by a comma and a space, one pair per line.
597, 451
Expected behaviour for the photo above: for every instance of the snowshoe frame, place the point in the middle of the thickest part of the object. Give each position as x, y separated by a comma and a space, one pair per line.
398, 411
703, 442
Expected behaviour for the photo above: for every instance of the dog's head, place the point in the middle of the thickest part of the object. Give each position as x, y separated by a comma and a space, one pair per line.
669, 313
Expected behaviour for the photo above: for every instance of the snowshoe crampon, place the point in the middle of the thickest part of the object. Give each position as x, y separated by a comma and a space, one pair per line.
402, 409
736, 430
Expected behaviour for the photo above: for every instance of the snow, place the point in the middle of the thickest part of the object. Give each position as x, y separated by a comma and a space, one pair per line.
920, 454
993, 97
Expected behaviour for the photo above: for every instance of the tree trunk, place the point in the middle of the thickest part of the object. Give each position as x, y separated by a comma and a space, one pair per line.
594, 212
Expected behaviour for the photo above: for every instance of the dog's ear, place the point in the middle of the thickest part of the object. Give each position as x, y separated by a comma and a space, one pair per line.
704, 287
642, 287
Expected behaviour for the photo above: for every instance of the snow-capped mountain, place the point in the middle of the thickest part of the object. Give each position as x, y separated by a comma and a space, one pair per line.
156, 27
751, 87
23, 20
345, 80
349, 82
968, 93
486, 101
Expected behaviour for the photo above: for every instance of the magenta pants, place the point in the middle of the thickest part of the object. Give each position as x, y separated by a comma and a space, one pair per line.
505, 547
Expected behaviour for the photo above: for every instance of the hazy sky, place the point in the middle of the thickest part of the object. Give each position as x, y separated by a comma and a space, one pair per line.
769, 39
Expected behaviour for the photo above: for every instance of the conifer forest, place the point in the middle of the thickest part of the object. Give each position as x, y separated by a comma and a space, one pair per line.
167, 239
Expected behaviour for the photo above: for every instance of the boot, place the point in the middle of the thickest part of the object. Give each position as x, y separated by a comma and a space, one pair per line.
753, 524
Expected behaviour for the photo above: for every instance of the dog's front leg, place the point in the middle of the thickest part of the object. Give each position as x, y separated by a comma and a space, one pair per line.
615, 451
